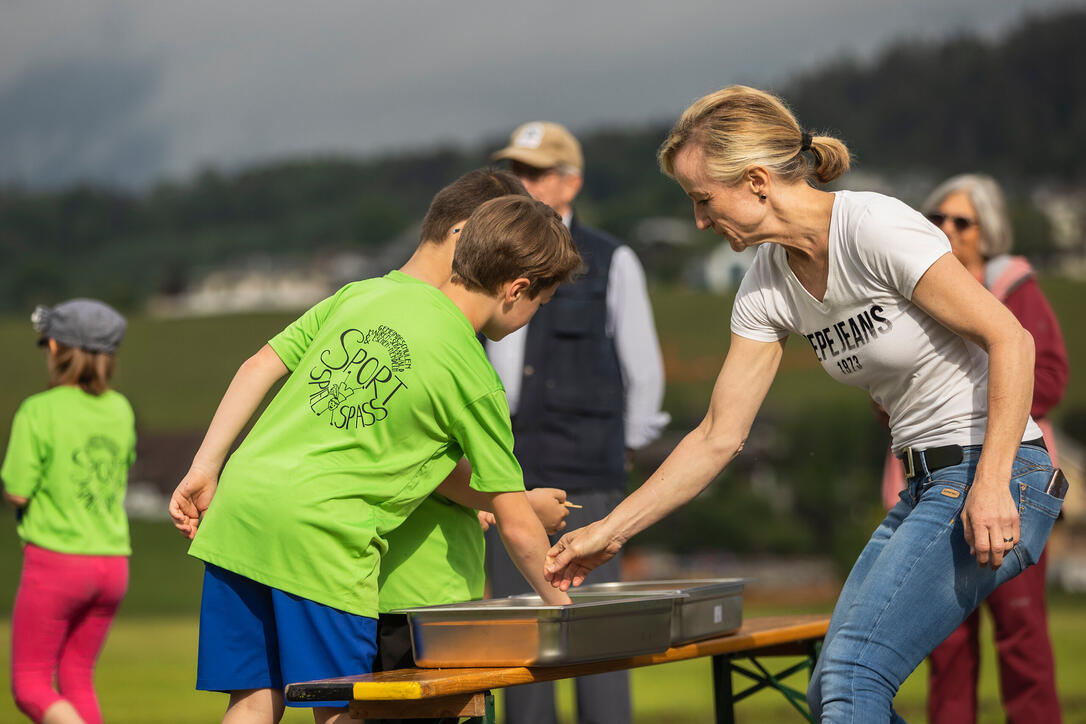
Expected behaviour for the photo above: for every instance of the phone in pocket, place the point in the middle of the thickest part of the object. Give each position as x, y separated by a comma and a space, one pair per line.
1057, 484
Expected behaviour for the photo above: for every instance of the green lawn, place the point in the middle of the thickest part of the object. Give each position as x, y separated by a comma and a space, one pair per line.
146, 674
175, 371
694, 333
147, 670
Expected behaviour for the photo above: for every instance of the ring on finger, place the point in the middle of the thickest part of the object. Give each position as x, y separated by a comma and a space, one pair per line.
1008, 540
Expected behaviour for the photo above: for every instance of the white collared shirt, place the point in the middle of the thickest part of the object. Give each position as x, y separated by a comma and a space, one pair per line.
630, 324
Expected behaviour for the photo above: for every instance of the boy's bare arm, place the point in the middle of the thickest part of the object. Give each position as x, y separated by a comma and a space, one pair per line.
16, 500
546, 502
526, 541
246, 391
455, 487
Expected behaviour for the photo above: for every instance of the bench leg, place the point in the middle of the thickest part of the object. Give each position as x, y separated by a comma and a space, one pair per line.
724, 696
489, 716
723, 700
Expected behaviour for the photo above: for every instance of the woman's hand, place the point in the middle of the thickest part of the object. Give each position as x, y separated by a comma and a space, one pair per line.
991, 521
190, 500
548, 506
578, 552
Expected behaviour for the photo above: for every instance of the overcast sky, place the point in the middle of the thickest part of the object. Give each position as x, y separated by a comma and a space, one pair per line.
134, 90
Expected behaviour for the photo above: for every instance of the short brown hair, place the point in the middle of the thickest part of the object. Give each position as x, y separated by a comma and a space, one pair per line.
458, 200
739, 127
91, 371
512, 237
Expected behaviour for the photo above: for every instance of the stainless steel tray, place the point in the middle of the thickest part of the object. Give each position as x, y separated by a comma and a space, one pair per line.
706, 607
520, 631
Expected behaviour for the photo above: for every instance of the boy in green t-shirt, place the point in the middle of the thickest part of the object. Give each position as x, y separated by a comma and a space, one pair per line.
437, 555
389, 388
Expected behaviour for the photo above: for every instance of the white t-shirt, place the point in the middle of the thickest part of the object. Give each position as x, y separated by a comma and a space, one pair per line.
866, 332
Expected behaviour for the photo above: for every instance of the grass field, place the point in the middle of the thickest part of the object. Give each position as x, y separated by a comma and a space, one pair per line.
175, 371
147, 669
694, 333
146, 673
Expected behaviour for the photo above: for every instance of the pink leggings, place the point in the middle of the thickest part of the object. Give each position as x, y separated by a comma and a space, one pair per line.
63, 610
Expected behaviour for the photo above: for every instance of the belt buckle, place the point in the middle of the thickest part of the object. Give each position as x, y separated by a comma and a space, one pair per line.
907, 459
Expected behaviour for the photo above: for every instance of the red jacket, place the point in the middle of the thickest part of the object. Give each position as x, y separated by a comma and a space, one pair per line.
1013, 282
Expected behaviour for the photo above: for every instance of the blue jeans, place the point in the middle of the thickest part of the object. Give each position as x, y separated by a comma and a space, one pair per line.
915, 582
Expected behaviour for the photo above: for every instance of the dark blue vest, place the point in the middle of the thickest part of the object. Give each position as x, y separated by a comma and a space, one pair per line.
568, 430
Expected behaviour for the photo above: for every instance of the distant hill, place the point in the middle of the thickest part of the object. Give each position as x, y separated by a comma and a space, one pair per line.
1015, 107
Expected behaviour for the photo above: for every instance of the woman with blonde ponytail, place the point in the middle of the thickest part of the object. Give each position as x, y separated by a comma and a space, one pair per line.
875, 290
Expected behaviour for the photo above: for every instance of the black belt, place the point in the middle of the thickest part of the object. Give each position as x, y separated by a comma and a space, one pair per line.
942, 457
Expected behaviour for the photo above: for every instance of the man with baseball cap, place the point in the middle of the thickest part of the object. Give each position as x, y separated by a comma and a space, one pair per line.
585, 383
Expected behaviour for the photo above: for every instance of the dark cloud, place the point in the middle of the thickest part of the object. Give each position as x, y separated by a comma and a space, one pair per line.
237, 82
80, 120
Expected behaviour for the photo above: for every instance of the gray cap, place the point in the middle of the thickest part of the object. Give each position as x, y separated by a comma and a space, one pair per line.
84, 323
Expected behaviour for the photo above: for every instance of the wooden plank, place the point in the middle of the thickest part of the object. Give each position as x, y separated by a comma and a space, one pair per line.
437, 707
771, 634
415, 684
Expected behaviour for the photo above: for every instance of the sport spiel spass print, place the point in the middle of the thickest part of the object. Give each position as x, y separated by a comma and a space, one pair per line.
100, 471
354, 383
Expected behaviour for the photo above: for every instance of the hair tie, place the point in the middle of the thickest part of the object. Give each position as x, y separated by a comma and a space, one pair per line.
805, 142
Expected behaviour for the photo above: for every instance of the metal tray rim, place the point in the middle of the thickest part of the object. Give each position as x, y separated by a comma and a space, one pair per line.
468, 607
693, 587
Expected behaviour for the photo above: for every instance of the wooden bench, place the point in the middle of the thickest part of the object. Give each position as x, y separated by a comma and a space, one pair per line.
408, 693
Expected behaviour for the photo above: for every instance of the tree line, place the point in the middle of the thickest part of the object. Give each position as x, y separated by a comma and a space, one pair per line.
1014, 107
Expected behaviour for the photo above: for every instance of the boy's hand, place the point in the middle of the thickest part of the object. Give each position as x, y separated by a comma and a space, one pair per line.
547, 504
486, 520
190, 499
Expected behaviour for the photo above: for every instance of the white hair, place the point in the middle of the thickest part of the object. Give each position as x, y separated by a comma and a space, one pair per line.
996, 234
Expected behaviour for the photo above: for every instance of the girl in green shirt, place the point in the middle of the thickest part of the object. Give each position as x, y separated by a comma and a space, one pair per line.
65, 471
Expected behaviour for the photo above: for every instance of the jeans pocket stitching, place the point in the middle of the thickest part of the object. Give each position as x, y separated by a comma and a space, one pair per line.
952, 482
1039, 508
1027, 499
1022, 469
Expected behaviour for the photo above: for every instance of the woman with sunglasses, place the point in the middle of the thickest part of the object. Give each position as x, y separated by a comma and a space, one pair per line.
873, 287
971, 211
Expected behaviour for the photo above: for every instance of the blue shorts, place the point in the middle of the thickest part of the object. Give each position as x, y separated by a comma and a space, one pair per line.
253, 636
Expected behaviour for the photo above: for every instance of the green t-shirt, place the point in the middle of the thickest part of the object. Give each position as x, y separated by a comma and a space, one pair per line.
436, 556
389, 388
69, 455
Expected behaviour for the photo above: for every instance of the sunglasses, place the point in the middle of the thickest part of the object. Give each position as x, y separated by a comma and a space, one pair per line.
529, 173
961, 223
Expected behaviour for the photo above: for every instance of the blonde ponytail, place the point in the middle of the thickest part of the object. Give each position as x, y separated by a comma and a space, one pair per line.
739, 127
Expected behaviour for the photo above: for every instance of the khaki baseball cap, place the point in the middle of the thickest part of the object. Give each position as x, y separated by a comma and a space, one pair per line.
542, 144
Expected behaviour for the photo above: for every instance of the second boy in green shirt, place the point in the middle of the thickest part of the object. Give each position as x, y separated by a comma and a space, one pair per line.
389, 387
